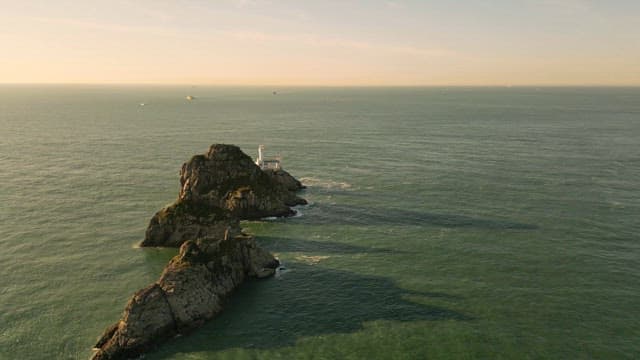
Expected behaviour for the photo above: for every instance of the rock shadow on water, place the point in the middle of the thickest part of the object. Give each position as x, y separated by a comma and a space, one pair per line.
282, 244
305, 301
334, 214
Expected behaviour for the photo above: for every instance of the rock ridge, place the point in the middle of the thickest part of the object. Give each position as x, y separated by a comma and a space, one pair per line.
218, 189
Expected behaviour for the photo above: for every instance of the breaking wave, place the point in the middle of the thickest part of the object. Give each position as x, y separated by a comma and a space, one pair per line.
326, 184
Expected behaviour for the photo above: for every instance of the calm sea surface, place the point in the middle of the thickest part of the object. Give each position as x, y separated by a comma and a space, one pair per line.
498, 223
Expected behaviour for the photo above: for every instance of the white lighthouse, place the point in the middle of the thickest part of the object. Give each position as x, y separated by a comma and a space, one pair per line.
265, 163
259, 161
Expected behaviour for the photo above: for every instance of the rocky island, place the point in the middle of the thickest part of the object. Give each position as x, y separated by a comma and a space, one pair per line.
218, 189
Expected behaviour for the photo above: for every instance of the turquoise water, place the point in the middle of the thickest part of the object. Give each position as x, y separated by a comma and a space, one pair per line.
496, 223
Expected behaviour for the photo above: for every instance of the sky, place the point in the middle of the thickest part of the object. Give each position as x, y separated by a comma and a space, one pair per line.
326, 42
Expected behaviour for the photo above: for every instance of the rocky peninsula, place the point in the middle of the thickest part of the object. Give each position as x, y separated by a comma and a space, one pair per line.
218, 189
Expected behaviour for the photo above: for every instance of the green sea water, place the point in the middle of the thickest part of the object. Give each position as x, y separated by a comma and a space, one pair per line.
461, 223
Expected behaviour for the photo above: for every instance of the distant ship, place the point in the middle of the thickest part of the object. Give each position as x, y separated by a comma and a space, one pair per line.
190, 98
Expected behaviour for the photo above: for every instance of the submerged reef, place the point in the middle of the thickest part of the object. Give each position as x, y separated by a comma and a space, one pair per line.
218, 189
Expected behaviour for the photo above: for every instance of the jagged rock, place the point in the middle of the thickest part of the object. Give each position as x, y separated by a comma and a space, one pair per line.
182, 221
217, 190
224, 178
146, 317
191, 290
284, 178
228, 178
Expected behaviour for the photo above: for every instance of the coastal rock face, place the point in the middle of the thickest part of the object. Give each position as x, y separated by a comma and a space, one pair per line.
224, 178
228, 178
181, 221
217, 191
190, 291
284, 178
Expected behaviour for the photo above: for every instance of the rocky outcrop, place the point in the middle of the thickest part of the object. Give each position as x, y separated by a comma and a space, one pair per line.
190, 291
284, 178
181, 221
224, 178
218, 189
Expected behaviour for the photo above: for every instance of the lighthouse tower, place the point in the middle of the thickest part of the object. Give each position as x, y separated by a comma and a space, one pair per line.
260, 160
264, 163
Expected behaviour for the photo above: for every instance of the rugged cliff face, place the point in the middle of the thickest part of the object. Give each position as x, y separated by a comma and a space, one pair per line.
285, 179
183, 220
218, 189
224, 178
190, 291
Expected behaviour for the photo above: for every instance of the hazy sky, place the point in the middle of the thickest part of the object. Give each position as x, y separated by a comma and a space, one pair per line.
270, 42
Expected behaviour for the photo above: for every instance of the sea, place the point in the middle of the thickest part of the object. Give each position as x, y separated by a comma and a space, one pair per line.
443, 223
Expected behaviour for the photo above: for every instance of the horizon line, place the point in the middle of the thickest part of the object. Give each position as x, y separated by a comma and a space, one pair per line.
316, 85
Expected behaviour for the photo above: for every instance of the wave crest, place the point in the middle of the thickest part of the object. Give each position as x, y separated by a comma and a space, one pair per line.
326, 184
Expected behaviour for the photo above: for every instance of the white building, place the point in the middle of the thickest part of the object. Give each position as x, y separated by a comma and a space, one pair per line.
265, 163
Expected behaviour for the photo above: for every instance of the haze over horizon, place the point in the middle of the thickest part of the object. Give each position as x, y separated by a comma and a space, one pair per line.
362, 43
